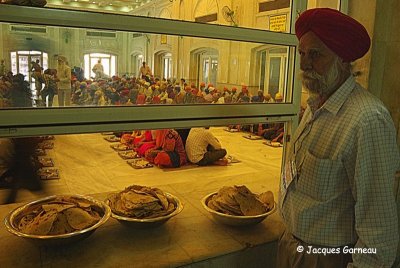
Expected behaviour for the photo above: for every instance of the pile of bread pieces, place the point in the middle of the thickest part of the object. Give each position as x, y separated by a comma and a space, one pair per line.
60, 216
240, 201
141, 202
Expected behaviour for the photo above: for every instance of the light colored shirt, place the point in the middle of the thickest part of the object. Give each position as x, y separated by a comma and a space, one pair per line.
197, 142
346, 157
98, 67
64, 74
145, 70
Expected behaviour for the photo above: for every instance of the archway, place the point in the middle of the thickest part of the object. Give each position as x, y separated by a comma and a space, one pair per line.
204, 66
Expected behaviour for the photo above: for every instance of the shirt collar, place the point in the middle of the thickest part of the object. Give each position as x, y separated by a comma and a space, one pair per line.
335, 102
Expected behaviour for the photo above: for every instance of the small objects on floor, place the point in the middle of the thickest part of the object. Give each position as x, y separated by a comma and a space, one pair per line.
46, 145
139, 163
107, 133
120, 147
112, 138
46, 162
40, 152
272, 143
252, 137
128, 154
232, 159
231, 129
49, 174
48, 137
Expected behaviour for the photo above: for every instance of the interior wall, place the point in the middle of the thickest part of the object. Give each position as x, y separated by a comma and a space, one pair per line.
384, 79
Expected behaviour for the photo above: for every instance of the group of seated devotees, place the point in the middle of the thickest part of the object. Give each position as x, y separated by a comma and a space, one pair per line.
153, 90
167, 148
273, 132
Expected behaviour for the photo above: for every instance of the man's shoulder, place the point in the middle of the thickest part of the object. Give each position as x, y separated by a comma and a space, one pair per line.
365, 105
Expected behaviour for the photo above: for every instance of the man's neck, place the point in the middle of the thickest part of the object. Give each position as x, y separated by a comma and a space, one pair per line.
324, 97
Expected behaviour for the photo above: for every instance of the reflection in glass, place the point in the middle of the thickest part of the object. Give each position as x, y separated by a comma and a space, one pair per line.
65, 156
215, 71
21, 62
228, 13
106, 61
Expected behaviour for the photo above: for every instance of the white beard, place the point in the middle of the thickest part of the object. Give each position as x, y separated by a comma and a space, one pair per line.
321, 86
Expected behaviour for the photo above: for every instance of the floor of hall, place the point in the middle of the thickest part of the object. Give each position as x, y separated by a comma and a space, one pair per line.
88, 165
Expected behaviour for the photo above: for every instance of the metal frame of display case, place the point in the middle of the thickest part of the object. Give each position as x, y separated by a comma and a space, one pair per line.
38, 121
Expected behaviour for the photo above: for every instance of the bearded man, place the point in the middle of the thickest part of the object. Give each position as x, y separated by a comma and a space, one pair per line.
64, 84
336, 194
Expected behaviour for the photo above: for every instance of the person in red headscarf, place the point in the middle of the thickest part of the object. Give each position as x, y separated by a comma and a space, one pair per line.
336, 191
188, 97
169, 150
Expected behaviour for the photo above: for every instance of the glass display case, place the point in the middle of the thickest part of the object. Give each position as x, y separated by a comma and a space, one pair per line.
232, 57
206, 56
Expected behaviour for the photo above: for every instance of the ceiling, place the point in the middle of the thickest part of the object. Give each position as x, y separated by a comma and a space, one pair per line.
118, 6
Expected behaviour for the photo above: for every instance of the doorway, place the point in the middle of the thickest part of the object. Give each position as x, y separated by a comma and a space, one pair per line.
108, 61
137, 61
206, 66
21, 63
272, 64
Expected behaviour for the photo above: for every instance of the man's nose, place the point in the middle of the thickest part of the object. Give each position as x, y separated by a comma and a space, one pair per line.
305, 63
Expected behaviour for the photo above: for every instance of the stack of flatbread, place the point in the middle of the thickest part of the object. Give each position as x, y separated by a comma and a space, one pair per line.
60, 216
141, 202
240, 201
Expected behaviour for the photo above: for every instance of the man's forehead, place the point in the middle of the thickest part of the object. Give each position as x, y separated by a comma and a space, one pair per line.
311, 41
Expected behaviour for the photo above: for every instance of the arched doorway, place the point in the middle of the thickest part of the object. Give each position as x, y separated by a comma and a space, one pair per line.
21, 63
271, 67
137, 61
163, 64
108, 61
205, 65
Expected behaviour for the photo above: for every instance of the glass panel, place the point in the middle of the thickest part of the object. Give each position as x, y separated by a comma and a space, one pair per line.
14, 65
214, 71
113, 66
23, 64
335, 4
274, 76
274, 15
234, 68
69, 155
45, 61
262, 65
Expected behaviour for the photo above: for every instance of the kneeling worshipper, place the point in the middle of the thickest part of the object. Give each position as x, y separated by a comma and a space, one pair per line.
169, 150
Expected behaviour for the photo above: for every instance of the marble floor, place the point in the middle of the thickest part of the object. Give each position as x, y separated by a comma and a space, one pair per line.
88, 165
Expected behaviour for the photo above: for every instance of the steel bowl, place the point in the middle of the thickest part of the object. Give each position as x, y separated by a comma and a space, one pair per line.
11, 222
150, 222
235, 220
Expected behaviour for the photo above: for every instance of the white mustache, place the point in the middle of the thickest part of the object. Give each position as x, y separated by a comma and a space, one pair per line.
310, 75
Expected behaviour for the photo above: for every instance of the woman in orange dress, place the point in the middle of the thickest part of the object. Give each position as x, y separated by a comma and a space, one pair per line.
169, 150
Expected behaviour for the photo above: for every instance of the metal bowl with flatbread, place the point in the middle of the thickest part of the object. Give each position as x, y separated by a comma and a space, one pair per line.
238, 206
57, 220
143, 207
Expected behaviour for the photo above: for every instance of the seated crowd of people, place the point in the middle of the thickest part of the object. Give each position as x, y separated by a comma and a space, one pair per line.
174, 148
152, 90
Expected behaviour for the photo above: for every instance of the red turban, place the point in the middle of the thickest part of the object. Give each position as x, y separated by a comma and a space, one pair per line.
342, 34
